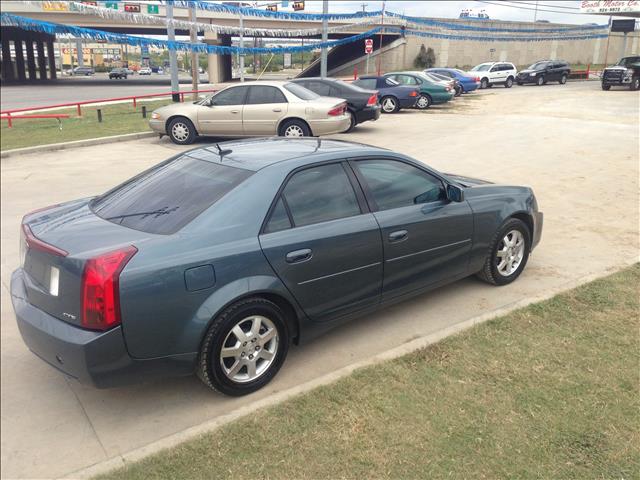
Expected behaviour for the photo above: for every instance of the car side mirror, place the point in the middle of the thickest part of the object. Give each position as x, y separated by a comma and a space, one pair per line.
454, 193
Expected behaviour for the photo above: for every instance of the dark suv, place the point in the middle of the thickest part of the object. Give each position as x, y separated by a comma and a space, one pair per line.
625, 73
545, 71
118, 73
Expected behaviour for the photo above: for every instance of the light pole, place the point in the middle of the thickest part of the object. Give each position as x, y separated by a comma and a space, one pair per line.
173, 60
241, 45
325, 37
195, 65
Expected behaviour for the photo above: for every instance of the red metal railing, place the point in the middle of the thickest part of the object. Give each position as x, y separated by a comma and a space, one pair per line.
581, 73
10, 119
134, 98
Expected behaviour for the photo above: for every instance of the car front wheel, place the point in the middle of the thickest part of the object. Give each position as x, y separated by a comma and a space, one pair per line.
509, 82
181, 131
635, 84
563, 79
484, 83
423, 102
540, 81
389, 105
606, 87
244, 347
509, 253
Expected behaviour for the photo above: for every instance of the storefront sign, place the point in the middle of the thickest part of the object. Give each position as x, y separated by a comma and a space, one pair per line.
610, 7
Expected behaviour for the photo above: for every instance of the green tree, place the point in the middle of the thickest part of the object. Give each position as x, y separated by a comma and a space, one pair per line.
426, 58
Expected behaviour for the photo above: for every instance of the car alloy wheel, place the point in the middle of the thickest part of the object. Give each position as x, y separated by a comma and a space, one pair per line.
180, 131
389, 105
293, 131
635, 84
510, 253
540, 81
563, 79
423, 102
509, 83
249, 349
484, 83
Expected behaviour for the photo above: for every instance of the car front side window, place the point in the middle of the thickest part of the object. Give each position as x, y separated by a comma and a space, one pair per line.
319, 194
395, 184
230, 96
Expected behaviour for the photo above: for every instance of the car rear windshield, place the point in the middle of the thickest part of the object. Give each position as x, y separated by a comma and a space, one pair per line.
301, 92
165, 198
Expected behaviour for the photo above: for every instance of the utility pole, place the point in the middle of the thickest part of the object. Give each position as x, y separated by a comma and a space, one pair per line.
195, 64
325, 37
241, 45
364, 7
380, 46
173, 59
535, 13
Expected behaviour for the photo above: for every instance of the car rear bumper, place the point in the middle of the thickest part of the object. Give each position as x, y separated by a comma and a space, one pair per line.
368, 113
470, 86
442, 97
97, 358
329, 126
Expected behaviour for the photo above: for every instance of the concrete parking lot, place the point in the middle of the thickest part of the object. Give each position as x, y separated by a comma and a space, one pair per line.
577, 146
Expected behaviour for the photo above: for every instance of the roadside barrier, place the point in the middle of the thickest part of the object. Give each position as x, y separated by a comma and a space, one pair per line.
9, 114
57, 116
581, 73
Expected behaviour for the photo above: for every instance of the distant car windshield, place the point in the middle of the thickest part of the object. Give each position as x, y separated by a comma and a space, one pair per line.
301, 92
537, 66
165, 198
483, 67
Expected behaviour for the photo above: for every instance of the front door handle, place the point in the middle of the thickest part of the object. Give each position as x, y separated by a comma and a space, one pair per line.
398, 236
277, 109
235, 111
299, 256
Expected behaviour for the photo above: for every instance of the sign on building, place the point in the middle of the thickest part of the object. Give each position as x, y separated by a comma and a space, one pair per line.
610, 7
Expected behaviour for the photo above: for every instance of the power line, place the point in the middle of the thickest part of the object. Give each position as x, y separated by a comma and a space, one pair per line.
502, 4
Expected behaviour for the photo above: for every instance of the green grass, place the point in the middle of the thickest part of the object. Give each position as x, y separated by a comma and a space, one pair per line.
117, 119
550, 391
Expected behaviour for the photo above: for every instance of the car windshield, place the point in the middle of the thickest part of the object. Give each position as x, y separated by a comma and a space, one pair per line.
483, 67
628, 61
301, 92
537, 66
165, 198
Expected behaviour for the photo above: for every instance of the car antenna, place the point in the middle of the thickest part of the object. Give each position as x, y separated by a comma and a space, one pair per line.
222, 152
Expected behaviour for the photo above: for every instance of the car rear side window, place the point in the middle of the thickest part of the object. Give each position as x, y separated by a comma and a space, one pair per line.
320, 194
300, 92
167, 197
366, 83
279, 219
396, 184
262, 94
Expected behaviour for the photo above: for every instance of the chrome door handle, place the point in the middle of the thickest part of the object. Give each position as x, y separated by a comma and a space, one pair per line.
398, 236
299, 256
235, 111
277, 109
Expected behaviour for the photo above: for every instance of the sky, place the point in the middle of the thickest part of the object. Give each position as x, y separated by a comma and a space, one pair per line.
451, 9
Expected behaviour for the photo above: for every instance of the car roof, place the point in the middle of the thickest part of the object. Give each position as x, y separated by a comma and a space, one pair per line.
259, 153
269, 83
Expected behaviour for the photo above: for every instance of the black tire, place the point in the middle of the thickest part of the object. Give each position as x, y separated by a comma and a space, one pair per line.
635, 84
509, 82
210, 369
606, 87
352, 121
489, 272
540, 80
458, 90
387, 101
484, 83
426, 102
181, 131
563, 79
289, 127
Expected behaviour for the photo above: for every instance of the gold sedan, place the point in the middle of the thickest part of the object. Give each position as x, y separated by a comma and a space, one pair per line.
253, 109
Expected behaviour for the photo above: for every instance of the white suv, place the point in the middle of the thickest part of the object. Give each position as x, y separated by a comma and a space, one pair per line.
495, 73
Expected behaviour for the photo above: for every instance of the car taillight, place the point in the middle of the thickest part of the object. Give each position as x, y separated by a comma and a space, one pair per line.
336, 111
477, 79
100, 289
31, 241
373, 100
414, 93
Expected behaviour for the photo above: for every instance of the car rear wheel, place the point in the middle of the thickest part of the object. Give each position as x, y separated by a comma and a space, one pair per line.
294, 128
181, 131
509, 82
484, 83
389, 104
509, 253
244, 347
458, 90
563, 79
352, 121
423, 102
635, 84
540, 81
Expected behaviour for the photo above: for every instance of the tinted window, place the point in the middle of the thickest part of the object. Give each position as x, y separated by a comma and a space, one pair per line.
445, 73
366, 83
279, 219
265, 94
405, 79
300, 92
396, 184
167, 197
335, 92
320, 194
230, 96
320, 88
391, 82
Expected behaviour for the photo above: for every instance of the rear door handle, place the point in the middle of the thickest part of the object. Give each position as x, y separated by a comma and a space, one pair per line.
299, 256
398, 236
